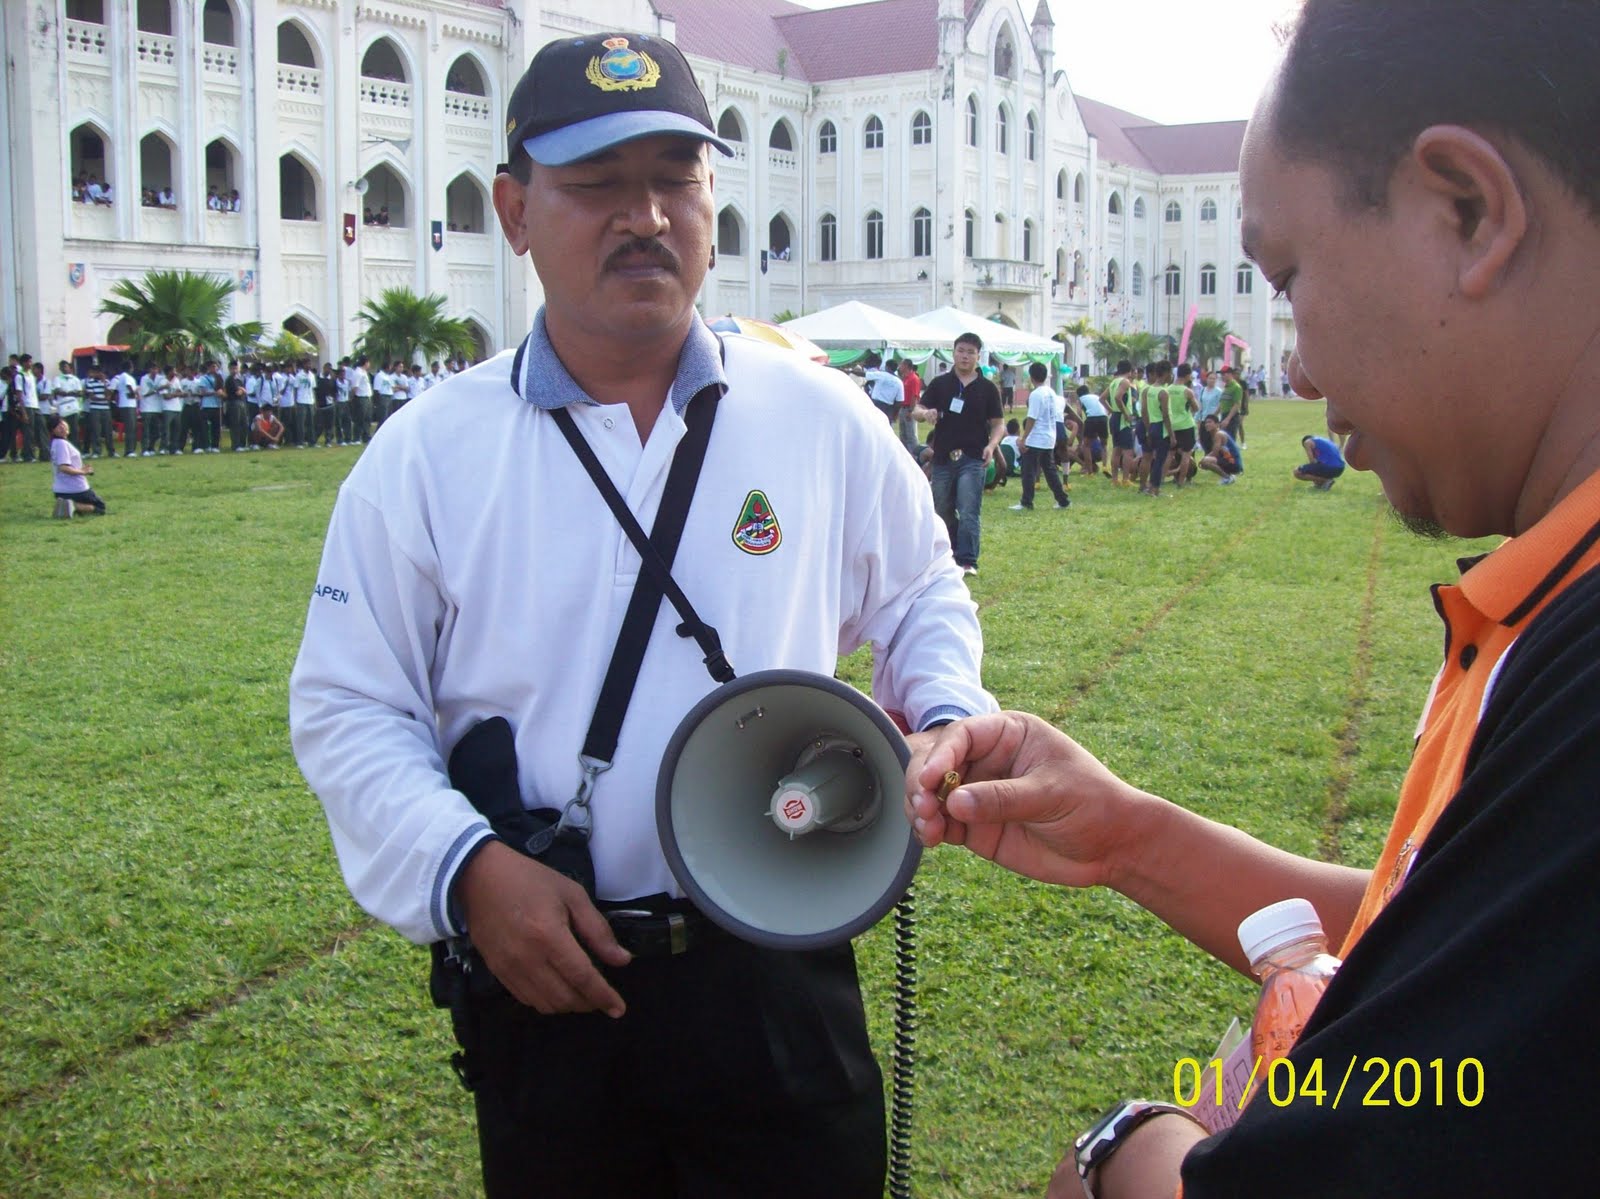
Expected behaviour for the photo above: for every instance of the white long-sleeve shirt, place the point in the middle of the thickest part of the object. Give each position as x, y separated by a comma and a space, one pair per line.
472, 569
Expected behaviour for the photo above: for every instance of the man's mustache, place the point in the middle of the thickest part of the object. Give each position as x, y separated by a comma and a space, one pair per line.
643, 247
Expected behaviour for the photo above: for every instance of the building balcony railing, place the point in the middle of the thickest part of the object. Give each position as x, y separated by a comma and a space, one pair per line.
156, 50
465, 107
299, 81
385, 93
303, 237
85, 39
93, 221
219, 60
782, 160
1006, 274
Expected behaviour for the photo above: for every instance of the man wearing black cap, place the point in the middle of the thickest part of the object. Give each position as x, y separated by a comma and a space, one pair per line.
621, 1045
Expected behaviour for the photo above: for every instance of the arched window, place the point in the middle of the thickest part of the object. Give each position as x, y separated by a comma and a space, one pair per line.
1002, 236
780, 238
1005, 54
480, 340
304, 330
972, 233
383, 61
729, 127
1208, 211
1027, 241
922, 130
154, 16
921, 233
1077, 268
1208, 280
1002, 129
1079, 188
972, 120
222, 180
294, 48
216, 23
874, 234
1136, 279
828, 238
1113, 277
297, 189
1244, 277
1174, 212
465, 77
465, 205
872, 134
155, 169
1061, 265
386, 198
1114, 205
87, 149
730, 233
1061, 184
827, 138
1172, 281
1138, 208
1031, 142
781, 137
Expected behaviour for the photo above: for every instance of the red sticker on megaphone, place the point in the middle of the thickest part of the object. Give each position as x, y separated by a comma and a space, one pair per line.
794, 809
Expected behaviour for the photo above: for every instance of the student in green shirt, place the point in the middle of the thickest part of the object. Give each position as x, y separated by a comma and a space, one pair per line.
1182, 406
1231, 411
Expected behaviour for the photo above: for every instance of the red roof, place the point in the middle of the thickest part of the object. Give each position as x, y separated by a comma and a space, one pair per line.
888, 37
742, 32
1129, 140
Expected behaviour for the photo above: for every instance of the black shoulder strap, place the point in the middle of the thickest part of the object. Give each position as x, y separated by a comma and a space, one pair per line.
656, 555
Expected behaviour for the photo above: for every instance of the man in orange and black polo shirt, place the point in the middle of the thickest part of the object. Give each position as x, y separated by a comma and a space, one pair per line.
1407, 208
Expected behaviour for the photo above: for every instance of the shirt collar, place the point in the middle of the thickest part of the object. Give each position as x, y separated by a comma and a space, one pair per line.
1509, 583
544, 381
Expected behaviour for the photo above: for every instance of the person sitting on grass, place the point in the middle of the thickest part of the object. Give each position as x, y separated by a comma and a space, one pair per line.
1224, 458
1324, 462
71, 479
266, 430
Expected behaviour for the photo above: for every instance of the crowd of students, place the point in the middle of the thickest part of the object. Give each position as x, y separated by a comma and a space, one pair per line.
173, 409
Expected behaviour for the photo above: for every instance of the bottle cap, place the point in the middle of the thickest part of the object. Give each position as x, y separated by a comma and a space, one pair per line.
1276, 925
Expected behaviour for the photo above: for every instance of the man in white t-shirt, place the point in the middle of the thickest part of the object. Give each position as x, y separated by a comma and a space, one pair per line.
305, 399
1045, 409
361, 399
126, 388
151, 385
172, 412
68, 391
382, 394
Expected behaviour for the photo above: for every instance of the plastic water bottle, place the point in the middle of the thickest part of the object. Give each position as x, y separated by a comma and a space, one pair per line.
1288, 952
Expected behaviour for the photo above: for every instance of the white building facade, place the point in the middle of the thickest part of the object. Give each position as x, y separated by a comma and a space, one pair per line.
910, 153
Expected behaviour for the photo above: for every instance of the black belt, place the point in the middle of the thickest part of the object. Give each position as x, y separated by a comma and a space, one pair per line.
647, 934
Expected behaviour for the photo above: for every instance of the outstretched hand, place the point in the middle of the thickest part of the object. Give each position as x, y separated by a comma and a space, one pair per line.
1031, 799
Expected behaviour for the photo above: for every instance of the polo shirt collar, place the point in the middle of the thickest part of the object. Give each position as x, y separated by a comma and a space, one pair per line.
545, 382
1512, 582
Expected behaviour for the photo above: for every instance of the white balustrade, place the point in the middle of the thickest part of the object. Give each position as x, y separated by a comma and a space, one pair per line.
85, 39
299, 81
782, 160
219, 60
461, 105
156, 50
385, 93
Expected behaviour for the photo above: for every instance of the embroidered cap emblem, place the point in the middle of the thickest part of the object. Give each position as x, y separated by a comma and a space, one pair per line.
757, 531
621, 69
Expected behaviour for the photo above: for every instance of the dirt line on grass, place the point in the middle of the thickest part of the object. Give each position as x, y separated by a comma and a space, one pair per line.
180, 1024
1086, 683
1335, 809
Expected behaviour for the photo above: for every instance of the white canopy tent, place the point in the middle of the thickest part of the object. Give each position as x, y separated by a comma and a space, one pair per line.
848, 330
997, 338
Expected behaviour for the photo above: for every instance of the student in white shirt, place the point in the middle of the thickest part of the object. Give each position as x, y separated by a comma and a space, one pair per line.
151, 386
1045, 409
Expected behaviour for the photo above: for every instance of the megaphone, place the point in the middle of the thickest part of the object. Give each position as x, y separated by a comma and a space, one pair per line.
780, 810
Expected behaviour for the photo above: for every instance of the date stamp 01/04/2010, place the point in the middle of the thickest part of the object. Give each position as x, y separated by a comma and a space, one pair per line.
1370, 1082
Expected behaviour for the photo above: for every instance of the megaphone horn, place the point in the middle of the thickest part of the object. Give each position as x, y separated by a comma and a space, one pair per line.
778, 810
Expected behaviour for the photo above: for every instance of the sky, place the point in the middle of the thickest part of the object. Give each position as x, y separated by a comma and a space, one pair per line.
1212, 57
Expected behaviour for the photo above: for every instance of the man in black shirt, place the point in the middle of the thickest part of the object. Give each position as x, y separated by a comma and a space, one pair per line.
234, 405
967, 432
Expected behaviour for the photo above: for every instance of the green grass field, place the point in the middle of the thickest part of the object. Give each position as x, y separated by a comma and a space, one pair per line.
192, 1005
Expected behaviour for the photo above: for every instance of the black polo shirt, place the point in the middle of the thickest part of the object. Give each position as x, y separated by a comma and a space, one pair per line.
966, 430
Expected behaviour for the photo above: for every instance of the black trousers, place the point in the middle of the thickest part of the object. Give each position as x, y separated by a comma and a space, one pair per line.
737, 1072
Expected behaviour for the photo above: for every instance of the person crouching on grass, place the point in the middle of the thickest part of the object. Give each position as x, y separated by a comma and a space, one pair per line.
71, 479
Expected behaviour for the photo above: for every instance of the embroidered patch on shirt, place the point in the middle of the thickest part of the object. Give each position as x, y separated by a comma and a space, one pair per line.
756, 531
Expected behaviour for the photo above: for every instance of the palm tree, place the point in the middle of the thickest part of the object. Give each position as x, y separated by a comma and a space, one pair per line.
1075, 330
401, 324
1206, 339
180, 317
287, 347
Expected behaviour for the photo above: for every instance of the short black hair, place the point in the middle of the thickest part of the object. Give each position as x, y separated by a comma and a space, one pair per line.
1362, 78
1038, 372
1123, 366
969, 339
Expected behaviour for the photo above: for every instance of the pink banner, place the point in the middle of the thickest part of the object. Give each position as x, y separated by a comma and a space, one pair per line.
1228, 343
1188, 328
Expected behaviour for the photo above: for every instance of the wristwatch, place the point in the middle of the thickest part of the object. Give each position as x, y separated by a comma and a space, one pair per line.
1108, 1133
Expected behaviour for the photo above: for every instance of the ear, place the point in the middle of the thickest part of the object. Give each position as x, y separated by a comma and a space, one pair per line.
1491, 212
510, 203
